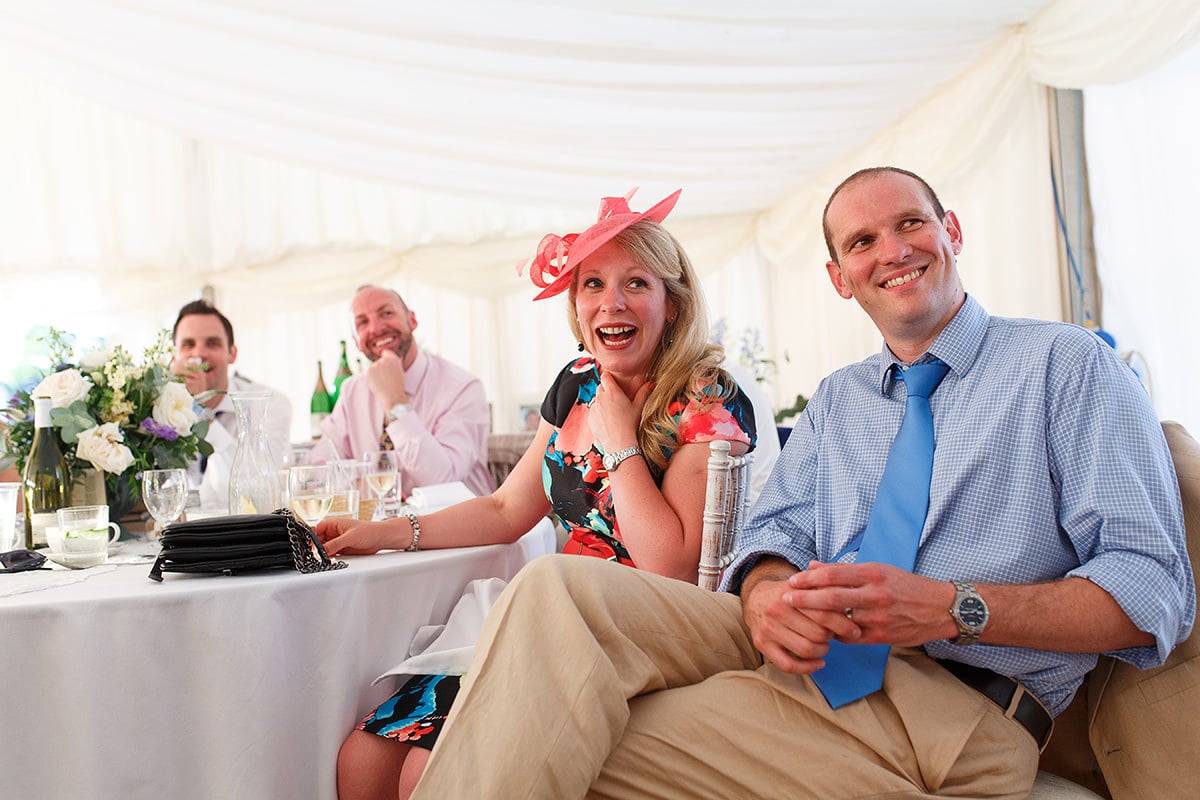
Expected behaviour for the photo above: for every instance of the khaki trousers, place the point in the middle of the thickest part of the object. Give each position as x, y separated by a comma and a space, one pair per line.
595, 680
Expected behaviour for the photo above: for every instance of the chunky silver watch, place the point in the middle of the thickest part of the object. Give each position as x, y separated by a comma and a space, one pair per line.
612, 460
970, 613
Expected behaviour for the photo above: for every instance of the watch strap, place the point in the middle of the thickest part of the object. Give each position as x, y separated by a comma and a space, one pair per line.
613, 460
967, 634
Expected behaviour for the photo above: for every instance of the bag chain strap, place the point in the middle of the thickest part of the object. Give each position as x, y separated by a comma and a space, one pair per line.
303, 542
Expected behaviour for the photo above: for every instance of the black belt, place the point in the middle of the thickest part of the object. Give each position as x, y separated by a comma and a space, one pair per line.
1001, 690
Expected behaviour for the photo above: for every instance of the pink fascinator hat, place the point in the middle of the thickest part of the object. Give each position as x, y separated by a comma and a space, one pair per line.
557, 256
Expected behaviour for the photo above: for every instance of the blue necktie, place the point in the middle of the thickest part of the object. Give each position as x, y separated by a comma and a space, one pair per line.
893, 531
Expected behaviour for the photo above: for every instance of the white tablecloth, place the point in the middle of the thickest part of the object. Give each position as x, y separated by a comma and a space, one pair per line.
213, 686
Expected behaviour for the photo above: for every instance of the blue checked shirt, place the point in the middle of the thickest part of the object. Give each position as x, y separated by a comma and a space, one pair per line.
1049, 461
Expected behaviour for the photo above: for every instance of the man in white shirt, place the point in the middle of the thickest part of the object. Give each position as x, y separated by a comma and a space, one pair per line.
204, 350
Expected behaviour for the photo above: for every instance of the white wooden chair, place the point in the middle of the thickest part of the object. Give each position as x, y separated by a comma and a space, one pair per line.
725, 505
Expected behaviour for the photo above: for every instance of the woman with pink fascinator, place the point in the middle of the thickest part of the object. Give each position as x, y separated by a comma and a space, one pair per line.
620, 455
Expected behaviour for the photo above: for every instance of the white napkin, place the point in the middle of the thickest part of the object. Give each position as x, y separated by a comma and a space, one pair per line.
447, 649
427, 499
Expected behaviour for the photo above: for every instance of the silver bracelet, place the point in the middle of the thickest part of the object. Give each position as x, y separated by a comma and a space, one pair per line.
416, 528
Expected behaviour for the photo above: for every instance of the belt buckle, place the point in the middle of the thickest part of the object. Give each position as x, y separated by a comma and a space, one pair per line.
1014, 702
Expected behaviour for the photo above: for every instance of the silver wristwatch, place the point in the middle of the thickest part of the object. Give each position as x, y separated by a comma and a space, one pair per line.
612, 460
969, 612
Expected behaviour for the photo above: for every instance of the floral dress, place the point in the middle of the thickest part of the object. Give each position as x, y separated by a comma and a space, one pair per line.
573, 476
577, 486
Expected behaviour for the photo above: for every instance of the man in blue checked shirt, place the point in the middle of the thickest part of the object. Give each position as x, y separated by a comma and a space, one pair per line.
1054, 532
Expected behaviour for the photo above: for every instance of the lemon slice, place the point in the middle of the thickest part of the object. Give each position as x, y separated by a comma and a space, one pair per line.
247, 505
90, 533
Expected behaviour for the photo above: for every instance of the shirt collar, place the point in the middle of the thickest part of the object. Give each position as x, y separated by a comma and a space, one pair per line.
415, 376
958, 344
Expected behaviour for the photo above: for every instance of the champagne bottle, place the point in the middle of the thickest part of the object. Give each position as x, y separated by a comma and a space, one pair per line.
46, 482
321, 404
343, 372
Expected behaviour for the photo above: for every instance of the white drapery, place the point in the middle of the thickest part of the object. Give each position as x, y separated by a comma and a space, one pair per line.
1144, 168
286, 152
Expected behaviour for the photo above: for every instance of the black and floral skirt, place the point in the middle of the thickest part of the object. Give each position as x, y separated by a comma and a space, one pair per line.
417, 712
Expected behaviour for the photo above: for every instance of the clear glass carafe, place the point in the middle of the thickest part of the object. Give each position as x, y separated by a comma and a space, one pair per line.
253, 478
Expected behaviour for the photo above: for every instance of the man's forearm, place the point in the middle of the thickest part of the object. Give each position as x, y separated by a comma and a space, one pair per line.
448, 453
768, 568
1072, 615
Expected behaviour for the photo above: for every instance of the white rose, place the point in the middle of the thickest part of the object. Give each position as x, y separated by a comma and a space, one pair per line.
175, 407
63, 388
95, 359
102, 446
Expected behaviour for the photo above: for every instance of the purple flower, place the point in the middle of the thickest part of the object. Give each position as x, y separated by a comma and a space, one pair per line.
161, 431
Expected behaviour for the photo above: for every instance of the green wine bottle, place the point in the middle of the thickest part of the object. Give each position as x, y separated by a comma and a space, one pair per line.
321, 404
343, 372
46, 482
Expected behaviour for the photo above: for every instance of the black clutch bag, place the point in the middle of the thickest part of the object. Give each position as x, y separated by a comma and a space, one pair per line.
245, 542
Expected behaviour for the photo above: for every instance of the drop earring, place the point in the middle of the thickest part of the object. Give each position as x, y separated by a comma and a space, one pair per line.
581, 347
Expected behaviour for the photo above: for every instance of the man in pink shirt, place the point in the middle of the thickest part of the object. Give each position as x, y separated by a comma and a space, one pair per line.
433, 413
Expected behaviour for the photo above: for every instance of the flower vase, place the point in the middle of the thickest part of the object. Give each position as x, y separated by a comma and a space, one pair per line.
253, 478
124, 496
88, 488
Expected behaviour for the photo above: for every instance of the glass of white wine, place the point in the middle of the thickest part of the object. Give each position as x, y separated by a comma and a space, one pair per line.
382, 474
310, 491
164, 491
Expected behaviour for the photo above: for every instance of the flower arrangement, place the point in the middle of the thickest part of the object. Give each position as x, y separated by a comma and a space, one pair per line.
747, 349
112, 413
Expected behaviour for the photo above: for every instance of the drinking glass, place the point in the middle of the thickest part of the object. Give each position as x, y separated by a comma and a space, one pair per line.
8, 515
164, 491
310, 491
82, 537
382, 474
347, 477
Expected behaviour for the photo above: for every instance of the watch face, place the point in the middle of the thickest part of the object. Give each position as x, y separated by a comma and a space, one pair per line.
972, 612
612, 460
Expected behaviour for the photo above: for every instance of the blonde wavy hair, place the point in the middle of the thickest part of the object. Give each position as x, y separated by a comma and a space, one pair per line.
685, 361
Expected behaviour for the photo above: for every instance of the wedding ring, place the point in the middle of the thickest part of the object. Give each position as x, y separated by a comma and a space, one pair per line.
850, 614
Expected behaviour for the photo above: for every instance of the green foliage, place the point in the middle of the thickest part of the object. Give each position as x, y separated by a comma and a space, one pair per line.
72, 421
795, 409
